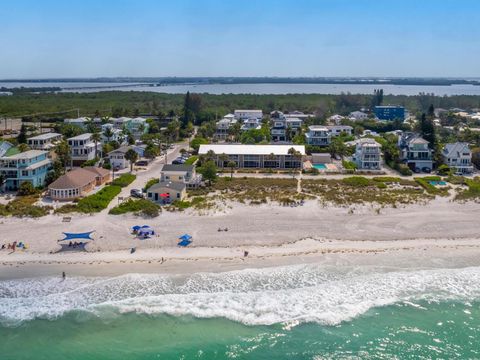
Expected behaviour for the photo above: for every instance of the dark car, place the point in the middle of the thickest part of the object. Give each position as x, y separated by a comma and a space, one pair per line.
136, 193
427, 170
142, 163
178, 161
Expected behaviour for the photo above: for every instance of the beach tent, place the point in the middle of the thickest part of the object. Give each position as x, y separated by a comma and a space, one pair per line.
145, 232
75, 236
185, 240
136, 228
80, 246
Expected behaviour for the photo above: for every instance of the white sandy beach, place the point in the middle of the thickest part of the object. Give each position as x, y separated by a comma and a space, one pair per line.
273, 235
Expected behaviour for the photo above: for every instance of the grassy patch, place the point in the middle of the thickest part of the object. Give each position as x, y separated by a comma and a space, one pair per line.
431, 189
150, 183
124, 180
191, 160
473, 191
362, 191
138, 207
93, 203
23, 207
251, 190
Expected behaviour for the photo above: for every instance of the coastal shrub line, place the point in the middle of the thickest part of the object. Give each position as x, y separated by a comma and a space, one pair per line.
138, 207
93, 203
124, 180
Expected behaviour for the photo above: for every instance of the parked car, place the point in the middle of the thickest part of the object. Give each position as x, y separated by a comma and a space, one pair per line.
142, 163
427, 170
178, 161
136, 193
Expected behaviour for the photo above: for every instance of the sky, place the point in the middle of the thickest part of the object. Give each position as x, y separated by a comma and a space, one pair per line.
110, 38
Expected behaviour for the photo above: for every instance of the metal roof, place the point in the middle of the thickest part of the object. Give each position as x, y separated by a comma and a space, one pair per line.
250, 149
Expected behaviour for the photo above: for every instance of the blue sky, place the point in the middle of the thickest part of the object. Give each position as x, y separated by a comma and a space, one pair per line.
87, 38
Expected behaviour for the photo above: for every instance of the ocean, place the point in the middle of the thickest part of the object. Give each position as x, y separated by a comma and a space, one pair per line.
293, 312
259, 89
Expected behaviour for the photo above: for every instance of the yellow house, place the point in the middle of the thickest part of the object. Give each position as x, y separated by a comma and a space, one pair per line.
166, 192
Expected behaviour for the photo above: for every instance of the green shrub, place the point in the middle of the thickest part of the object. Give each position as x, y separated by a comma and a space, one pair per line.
357, 181
93, 203
473, 191
403, 169
124, 180
349, 165
92, 162
139, 207
150, 183
444, 170
23, 206
191, 160
26, 188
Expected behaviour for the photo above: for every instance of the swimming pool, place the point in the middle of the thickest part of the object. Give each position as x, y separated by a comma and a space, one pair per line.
441, 183
319, 166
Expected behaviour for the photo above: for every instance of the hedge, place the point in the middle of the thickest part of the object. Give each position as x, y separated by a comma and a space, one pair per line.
141, 206
124, 180
98, 201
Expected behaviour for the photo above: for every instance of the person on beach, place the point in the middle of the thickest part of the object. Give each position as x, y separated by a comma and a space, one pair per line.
63, 275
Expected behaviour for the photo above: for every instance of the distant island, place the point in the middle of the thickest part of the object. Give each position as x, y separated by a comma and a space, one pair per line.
159, 81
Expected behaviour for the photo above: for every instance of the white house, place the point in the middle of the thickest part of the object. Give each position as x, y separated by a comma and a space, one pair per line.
318, 135
459, 157
181, 173
414, 151
253, 123
248, 114
82, 148
116, 134
358, 115
336, 130
81, 121
117, 156
45, 141
367, 154
256, 156
223, 126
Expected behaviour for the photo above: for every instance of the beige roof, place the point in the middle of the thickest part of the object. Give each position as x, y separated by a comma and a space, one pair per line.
77, 178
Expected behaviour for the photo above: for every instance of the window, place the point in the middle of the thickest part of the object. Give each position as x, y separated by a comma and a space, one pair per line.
178, 195
24, 173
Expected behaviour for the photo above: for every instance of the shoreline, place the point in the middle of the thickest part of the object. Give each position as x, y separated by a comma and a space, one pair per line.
402, 254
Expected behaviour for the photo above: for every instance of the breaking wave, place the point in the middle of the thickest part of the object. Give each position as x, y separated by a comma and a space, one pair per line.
292, 294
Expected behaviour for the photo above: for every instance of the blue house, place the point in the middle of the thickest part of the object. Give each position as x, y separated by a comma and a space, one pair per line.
390, 112
31, 166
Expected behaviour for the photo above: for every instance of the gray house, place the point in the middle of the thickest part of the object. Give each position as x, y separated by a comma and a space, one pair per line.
459, 157
414, 151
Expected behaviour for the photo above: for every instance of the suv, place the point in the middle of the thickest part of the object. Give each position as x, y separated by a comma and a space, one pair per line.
136, 193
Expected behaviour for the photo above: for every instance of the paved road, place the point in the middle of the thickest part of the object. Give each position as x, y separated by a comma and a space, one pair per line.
152, 171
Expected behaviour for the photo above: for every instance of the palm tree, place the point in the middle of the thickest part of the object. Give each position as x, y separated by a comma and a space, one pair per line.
235, 131
232, 165
96, 137
271, 157
222, 158
23, 147
131, 156
91, 128
108, 132
3, 179
295, 154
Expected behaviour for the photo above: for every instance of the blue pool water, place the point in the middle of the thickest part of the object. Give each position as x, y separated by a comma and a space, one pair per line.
320, 166
443, 183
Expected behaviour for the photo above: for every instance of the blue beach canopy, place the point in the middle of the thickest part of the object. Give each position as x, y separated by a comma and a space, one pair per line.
185, 240
184, 243
74, 236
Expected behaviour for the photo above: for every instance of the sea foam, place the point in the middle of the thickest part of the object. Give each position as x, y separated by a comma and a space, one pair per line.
293, 294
